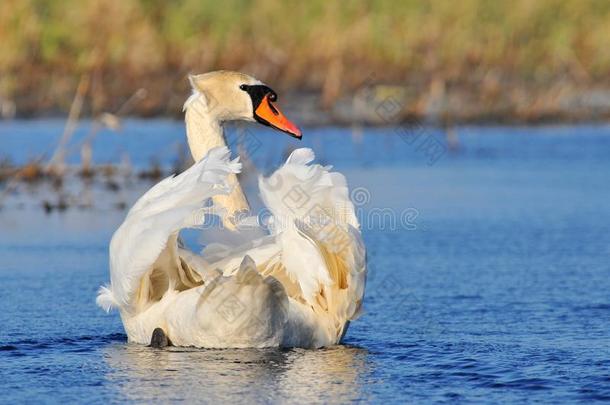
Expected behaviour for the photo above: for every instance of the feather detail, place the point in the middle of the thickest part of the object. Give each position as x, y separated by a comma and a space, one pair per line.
105, 299
301, 156
173, 204
317, 232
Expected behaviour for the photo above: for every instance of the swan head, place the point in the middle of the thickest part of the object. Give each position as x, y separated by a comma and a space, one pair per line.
233, 96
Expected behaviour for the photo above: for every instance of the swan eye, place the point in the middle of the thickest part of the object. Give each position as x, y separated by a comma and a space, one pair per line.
243, 87
273, 97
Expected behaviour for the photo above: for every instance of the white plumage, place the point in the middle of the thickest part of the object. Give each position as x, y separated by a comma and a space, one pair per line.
297, 286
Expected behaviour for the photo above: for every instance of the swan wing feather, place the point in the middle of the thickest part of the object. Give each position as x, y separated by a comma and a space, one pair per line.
173, 204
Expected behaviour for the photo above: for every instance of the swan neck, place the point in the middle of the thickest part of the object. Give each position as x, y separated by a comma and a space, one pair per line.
204, 131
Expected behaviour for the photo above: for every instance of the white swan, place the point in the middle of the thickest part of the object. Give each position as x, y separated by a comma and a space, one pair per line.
299, 285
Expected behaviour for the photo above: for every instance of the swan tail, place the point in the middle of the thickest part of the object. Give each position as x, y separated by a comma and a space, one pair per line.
244, 309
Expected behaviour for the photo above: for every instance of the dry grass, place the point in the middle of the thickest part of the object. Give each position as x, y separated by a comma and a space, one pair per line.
330, 47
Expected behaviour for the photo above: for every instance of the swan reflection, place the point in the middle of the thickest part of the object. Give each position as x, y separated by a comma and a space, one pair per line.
143, 374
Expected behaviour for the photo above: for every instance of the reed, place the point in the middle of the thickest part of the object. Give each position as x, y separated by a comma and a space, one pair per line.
328, 47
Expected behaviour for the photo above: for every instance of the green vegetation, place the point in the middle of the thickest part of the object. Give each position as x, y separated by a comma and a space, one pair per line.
330, 47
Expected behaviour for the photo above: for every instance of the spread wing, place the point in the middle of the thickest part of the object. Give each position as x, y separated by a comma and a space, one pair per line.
144, 251
322, 254
314, 248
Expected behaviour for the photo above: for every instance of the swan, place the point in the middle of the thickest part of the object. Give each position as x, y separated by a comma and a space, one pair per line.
297, 282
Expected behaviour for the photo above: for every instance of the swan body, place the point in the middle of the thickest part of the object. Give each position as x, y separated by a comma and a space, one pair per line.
296, 283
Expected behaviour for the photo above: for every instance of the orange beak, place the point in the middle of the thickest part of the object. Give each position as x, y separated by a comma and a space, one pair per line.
268, 114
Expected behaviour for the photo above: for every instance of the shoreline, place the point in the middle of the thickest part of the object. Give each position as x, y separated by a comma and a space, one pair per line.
387, 105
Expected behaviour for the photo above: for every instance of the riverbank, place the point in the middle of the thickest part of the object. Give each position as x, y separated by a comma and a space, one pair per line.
443, 106
378, 105
369, 62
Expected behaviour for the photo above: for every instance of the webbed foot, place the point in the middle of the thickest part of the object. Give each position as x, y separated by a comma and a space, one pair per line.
159, 339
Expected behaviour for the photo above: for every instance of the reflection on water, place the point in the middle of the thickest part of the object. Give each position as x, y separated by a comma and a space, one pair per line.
143, 374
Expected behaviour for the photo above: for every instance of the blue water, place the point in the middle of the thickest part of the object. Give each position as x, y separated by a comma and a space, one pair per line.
489, 276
